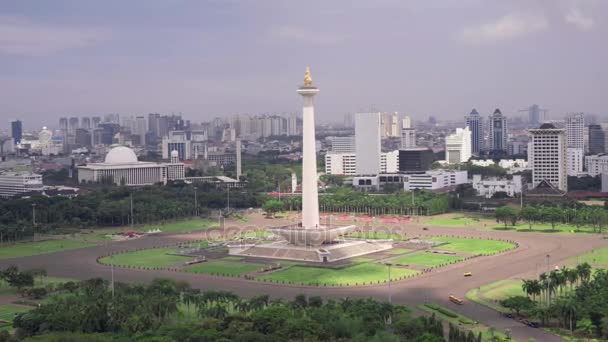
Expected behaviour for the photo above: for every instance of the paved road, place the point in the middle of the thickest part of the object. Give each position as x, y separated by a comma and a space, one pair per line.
524, 262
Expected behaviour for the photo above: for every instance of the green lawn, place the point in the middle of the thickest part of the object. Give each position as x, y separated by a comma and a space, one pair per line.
8, 312
38, 282
461, 321
358, 274
183, 226
398, 251
156, 257
24, 249
596, 258
379, 236
222, 267
503, 290
460, 221
544, 228
489, 294
473, 246
427, 259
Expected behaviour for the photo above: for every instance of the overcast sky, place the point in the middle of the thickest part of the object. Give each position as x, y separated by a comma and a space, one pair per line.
217, 58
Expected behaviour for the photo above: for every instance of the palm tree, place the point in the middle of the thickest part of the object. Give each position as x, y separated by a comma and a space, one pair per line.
572, 276
584, 271
544, 283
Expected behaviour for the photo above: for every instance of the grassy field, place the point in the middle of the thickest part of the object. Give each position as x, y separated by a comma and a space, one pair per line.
8, 312
398, 251
24, 249
489, 295
462, 321
427, 259
597, 258
358, 274
5, 289
543, 228
473, 246
183, 226
156, 257
458, 221
222, 267
379, 236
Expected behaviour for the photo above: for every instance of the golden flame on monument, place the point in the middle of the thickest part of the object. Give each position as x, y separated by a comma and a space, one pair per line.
307, 78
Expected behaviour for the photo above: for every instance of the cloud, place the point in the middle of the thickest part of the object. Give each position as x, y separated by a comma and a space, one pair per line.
505, 28
577, 18
308, 36
19, 36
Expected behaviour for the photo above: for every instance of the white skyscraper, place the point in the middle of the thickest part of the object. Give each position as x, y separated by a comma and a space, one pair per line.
458, 146
547, 155
575, 130
406, 122
368, 143
408, 137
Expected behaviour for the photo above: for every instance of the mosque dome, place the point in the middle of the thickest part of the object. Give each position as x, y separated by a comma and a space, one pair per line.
174, 154
121, 155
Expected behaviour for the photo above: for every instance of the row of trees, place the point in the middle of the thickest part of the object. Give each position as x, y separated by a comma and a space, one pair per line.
577, 215
111, 206
168, 311
575, 299
348, 200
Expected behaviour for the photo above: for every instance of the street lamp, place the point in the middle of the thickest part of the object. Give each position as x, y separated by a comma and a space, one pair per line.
34, 220
390, 301
195, 202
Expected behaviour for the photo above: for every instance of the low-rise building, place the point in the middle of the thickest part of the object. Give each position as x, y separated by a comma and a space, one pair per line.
346, 163
596, 164
19, 183
490, 186
121, 167
434, 180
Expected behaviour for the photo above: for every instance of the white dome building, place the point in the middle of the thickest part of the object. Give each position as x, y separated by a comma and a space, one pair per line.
121, 155
121, 167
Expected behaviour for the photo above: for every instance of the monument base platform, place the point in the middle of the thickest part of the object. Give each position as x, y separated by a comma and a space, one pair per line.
329, 252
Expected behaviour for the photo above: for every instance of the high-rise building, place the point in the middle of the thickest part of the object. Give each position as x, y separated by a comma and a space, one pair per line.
16, 131
153, 124
547, 156
368, 143
342, 144
458, 146
408, 138
390, 125
597, 139
95, 121
534, 116
85, 123
141, 128
475, 123
498, 132
575, 158
575, 130
415, 159
82, 137
406, 122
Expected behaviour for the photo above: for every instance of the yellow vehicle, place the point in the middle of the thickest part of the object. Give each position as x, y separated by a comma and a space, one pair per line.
468, 274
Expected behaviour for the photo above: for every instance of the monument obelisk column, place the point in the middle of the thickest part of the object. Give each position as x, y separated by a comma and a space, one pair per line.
310, 195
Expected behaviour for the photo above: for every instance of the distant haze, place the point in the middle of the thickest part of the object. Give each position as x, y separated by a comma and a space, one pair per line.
217, 58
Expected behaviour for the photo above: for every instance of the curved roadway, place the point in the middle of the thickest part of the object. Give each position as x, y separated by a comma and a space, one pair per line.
524, 262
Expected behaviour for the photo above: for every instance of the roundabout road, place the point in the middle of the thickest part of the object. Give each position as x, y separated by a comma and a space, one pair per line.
526, 261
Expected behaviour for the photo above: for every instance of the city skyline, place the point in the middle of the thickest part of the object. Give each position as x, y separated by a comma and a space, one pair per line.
420, 59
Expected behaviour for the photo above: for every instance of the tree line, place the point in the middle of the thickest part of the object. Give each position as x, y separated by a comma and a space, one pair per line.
166, 310
577, 215
111, 206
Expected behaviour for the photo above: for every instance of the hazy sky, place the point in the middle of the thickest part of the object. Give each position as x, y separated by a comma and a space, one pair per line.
216, 58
